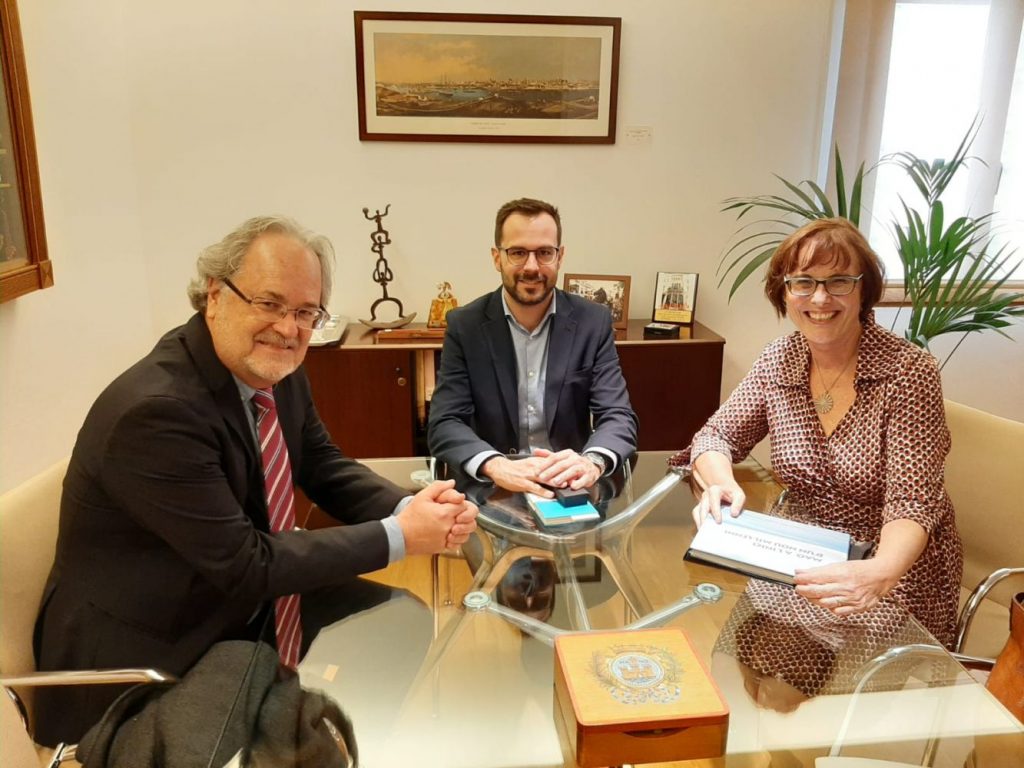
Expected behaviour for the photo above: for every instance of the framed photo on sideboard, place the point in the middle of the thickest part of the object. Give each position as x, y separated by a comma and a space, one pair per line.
675, 297
611, 291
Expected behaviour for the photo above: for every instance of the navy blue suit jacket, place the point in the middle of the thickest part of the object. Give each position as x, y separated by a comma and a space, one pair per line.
475, 405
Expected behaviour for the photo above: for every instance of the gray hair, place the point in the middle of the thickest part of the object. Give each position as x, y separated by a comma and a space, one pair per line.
224, 259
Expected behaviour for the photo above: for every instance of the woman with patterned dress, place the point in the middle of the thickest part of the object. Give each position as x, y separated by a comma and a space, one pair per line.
858, 435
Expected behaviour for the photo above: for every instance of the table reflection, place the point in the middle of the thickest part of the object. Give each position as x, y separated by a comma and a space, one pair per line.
790, 651
520, 560
477, 690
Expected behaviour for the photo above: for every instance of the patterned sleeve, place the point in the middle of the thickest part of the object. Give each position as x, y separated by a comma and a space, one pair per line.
917, 441
738, 425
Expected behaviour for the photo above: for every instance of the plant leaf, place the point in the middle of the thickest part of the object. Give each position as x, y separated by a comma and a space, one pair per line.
754, 264
841, 206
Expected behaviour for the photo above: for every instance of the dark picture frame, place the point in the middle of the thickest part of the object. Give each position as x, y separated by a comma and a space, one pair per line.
675, 297
24, 262
611, 291
487, 77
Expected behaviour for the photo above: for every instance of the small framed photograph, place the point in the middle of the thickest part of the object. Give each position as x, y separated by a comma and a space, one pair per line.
675, 297
610, 290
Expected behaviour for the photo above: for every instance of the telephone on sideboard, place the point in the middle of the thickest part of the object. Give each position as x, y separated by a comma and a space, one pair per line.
332, 333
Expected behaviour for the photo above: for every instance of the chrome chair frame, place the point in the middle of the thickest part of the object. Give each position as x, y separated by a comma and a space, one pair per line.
66, 752
974, 603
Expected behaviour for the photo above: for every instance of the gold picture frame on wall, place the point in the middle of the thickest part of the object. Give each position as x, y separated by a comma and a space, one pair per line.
486, 77
24, 262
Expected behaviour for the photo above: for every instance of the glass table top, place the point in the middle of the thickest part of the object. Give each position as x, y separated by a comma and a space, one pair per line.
431, 677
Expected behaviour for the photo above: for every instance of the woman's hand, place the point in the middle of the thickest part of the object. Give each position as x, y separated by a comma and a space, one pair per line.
713, 473
715, 497
846, 588
858, 585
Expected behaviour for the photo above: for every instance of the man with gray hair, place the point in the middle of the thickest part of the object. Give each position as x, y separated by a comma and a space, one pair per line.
177, 521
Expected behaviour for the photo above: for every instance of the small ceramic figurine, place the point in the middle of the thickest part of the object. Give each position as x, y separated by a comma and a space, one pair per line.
441, 306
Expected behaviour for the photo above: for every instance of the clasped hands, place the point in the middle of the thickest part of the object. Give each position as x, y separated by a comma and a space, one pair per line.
555, 469
438, 518
844, 589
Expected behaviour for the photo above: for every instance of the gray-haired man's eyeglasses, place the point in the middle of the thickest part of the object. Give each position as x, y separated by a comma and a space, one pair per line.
309, 318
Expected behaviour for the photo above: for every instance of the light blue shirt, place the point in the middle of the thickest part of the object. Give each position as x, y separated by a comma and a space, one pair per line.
396, 541
531, 366
531, 349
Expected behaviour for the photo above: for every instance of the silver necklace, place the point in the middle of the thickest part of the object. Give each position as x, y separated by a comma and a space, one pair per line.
823, 403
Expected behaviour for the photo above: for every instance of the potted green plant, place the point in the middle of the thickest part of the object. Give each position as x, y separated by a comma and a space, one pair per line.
953, 276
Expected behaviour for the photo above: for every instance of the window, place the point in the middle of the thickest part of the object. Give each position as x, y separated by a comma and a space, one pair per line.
1009, 198
948, 62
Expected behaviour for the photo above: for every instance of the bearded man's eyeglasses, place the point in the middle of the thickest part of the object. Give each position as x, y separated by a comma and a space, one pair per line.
546, 255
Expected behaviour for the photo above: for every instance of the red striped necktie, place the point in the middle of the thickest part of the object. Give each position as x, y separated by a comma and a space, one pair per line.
277, 478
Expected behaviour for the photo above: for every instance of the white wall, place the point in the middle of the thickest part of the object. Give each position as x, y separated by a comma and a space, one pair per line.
61, 346
162, 125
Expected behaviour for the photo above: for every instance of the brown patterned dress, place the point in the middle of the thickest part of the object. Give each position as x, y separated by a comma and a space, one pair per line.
883, 462
774, 632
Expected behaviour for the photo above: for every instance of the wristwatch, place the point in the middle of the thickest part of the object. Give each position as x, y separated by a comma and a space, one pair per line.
599, 460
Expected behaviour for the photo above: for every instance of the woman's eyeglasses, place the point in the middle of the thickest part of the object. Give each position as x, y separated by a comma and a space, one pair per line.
837, 285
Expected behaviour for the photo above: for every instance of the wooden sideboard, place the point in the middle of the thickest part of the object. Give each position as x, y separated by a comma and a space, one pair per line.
372, 397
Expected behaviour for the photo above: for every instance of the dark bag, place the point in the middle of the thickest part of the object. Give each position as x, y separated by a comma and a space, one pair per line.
1006, 681
238, 697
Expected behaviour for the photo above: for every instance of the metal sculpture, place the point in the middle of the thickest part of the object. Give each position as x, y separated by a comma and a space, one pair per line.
382, 274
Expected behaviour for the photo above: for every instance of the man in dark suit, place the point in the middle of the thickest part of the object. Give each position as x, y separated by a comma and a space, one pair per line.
532, 370
166, 544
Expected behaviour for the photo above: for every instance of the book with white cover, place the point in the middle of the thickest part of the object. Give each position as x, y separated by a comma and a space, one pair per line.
767, 547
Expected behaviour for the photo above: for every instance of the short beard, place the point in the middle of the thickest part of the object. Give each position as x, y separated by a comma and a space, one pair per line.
512, 288
271, 371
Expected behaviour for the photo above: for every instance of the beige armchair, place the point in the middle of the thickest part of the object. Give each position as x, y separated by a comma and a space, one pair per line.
984, 475
985, 479
28, 537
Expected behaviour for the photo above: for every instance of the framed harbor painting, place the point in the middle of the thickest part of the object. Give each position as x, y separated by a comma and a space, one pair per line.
486, 77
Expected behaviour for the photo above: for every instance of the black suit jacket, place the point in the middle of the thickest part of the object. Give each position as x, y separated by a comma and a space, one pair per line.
163, 548
475, 405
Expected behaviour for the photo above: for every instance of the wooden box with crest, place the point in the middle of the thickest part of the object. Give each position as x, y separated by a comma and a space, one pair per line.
640, 696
